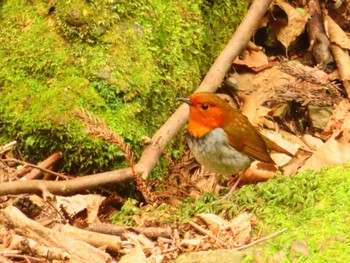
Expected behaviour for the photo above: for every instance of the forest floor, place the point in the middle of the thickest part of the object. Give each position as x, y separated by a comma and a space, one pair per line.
300, 213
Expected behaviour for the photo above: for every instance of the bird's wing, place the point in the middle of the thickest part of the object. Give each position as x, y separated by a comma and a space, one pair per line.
247, 139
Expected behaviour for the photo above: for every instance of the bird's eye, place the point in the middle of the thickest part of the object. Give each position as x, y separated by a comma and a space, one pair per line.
205, 106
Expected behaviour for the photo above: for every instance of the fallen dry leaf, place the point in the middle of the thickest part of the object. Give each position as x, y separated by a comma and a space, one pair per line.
135, 255
312, 142
249, 107
77, 203
335, 151
342, 58
214, 222
293, 166
280, 158
259, 172
252, 59
336, 34
339, 115
241, 227
287, 33
191, 244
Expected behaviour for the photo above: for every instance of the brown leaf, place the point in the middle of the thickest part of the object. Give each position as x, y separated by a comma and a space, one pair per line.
336, 34
214, 222
293, 166
241, 227
259, 172
292, 147
335, 151
342, 58
286, 34
252, 59
337, 119
77, 203
312, 142
135, 255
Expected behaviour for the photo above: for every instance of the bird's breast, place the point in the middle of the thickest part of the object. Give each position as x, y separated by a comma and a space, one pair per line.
214, 152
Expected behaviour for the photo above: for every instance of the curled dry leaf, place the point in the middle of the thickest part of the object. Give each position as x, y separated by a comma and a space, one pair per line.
208, 182
340, 48
249, 107
139, 239
287, 33
253, 109
336, 34
342, 58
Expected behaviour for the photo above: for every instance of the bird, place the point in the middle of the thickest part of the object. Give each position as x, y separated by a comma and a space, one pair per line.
222, 139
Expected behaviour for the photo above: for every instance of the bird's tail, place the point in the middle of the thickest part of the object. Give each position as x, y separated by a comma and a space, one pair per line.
271, 145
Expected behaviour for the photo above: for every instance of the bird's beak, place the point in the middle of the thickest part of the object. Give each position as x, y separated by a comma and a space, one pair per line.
186, 100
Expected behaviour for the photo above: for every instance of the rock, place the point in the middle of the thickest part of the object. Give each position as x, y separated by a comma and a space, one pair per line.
277, 258
105, 73
138, 29
231, 82
258, 256
299, 247
281, 112
319, 116
329, 240
219, 255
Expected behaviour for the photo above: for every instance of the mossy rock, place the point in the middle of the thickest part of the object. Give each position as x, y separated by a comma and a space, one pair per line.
85, 20
125, 61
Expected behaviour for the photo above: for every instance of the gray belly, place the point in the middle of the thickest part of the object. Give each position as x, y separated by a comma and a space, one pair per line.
215, 154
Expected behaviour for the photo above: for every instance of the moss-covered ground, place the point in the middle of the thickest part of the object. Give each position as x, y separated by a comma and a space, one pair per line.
315, 207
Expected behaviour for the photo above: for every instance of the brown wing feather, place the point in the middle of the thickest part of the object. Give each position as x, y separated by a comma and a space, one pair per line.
247, 139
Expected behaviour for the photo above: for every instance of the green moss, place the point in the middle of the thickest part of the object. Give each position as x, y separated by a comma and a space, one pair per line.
126, 214
126, 61
313, 205
323, 225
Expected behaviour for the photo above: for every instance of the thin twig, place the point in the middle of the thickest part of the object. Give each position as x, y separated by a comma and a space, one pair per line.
259, 240
66, 177
207, 233
25, 257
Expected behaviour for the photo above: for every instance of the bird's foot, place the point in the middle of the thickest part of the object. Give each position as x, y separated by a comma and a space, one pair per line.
232, 190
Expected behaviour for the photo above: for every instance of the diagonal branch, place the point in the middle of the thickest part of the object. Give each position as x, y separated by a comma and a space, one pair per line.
170, 128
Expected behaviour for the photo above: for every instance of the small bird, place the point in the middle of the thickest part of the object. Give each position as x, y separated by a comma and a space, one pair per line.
222, 139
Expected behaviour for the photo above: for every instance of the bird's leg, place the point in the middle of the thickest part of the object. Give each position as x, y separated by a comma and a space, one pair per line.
233, 188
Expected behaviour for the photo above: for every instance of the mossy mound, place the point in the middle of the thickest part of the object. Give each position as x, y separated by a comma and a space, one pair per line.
126, 61
313, 205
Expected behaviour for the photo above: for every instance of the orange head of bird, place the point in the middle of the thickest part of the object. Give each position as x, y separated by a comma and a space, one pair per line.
207, 112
